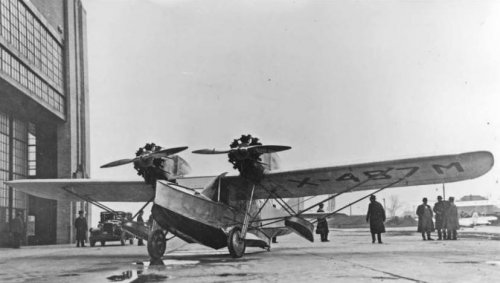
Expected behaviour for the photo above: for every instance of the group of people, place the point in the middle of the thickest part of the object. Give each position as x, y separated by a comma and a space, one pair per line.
446, 214
375, 216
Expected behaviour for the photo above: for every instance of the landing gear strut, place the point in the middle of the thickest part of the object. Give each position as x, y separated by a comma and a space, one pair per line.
236, 238
157, 244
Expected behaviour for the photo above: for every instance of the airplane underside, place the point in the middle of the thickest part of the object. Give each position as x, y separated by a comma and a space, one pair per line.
195, 218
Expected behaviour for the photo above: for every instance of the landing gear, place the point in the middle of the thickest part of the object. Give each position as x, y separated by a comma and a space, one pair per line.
157, 244
235, 243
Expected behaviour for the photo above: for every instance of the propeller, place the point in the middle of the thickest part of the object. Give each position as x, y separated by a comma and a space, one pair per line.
146, 156
259, 149
245, 155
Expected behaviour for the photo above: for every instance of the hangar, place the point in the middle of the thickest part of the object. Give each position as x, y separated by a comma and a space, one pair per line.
44, 125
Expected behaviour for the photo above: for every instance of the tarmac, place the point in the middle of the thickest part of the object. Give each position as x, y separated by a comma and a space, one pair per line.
348, 257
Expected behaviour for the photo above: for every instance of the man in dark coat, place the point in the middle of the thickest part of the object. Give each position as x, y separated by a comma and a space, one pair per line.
81, 229
451, 223
140, 221
425, 225
17, 230
439, 210
376, 217
322, 226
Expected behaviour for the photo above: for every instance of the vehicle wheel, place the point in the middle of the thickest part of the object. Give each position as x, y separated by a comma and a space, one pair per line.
157, 244
131, 241
235, 244
103, 243
123, 238
92, 243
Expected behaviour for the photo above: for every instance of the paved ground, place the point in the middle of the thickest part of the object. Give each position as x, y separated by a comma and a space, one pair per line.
349, 257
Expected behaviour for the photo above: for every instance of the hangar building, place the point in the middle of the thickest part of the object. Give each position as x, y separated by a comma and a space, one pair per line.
44, 125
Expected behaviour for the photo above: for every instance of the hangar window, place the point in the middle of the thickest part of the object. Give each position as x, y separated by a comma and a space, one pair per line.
31, 150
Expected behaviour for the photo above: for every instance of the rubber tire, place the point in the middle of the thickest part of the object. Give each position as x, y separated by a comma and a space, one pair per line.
103, 243
123, 238
235, 245
131, 241
92, 243
157, 244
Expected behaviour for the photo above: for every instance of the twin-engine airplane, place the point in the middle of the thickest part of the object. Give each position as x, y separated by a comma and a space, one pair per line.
235, 210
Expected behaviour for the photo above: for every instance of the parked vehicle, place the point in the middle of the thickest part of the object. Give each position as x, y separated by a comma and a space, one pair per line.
110, 228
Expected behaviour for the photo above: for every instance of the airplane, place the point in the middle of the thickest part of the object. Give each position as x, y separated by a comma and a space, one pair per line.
234, 210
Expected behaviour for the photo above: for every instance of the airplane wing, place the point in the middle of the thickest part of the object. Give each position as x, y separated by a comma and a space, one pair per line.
366, 176
78, 189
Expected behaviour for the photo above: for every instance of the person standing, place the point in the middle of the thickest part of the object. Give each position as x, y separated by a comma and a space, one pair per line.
322, 226
17, 230
376, 217
425, 225
140, 221
81, 229
452, 219
439, 210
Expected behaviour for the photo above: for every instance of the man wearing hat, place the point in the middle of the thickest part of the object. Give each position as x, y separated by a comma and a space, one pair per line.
81, 229
439, 210
376, 217
425, 225
322, 227
140, 221
451, 223
17, 230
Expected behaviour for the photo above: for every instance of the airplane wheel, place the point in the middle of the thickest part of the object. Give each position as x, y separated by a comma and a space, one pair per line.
235, 244
131, 241
92, 243
157, 244
103, 243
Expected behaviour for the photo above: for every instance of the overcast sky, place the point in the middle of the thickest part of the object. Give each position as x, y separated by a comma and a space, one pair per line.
341, 82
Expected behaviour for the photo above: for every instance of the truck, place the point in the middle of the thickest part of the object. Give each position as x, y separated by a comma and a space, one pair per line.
110, 228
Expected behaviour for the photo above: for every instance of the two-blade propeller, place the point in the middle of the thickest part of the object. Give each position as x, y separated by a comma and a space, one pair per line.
145, 156
260, 149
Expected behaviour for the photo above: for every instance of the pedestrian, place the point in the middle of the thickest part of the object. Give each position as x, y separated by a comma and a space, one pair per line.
438, 209
81, 229
322, 226
425, 225
140, 221
150, 221
17, 230
452, 219
376, 217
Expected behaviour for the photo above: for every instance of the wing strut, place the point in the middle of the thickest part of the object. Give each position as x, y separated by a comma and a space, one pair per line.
356, 201
247, 216
90, 200
343, 192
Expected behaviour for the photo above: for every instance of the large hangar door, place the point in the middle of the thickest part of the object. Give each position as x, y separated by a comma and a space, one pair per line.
45, 212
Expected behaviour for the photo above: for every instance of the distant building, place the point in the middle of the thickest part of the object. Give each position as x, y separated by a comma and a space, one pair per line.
467, 205
44, 126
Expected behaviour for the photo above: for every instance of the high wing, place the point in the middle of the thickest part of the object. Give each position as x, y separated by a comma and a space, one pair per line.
78, 189
367, 176
285, 184
96, 190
